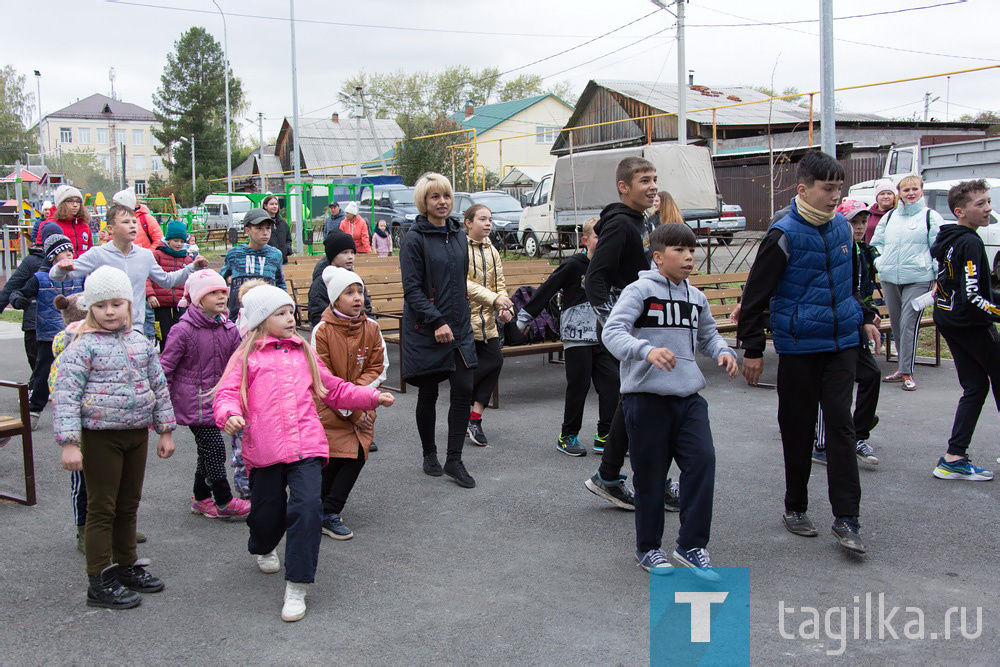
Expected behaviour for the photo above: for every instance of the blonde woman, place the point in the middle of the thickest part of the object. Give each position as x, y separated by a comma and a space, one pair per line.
669, 211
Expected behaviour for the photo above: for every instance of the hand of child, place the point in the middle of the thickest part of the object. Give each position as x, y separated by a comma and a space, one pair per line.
72, 458
752, 370
878, 320
503, 303
153, 302
65, 264
662, 358
234, 425
165, 447
729, 362
443, 334
385, 399
200, 262
734, 316
874, 337
504, 316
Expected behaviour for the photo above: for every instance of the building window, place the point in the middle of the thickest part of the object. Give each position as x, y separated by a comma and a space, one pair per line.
119, 137
547, 135
140, 187
105, 159
139, 162
103, 136
155, 163
84, 135
65, 135
138, 137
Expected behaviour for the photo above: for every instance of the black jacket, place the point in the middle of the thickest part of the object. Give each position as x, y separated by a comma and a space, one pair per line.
319, 299
568, 277
31, 263
434, 263
965, 295
622, 244
281, 237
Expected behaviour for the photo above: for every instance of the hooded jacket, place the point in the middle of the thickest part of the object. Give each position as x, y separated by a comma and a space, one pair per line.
358, 229
78, 232
434, 265
352, 350
31, 263
281, 237
167, 296
578, 321
903, 239
319, 300
149, 235
965, 295
193, 359
622, 244
654, 312
485, 283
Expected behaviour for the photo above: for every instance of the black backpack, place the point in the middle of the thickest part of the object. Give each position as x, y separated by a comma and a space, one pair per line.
543, 328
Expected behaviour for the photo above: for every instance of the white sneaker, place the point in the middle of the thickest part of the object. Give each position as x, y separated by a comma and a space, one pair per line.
295, 602
269, 563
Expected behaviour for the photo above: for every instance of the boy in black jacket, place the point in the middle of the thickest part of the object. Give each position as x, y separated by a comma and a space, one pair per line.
965, 310
586, 359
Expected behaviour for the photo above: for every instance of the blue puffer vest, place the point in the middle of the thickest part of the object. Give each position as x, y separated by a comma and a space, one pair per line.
813, 309
49, 321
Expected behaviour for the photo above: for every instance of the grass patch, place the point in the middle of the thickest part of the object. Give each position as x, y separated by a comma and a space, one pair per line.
12, 315
925, 344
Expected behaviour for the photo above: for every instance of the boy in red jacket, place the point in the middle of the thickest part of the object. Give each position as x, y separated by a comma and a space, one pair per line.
171, 255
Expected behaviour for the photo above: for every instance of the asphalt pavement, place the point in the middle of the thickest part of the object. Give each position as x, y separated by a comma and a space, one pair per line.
527, 568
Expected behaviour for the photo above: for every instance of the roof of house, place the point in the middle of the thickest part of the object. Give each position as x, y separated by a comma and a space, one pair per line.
324, 143
488, 116
93, 107
268, 163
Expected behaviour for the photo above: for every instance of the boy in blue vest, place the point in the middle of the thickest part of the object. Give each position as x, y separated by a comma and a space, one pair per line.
254, 259
805, 274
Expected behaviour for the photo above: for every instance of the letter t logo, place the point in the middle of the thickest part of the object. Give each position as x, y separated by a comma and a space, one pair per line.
701, 612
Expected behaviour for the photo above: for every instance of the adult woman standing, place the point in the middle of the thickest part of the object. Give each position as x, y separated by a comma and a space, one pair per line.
281, 233
490, 303
438, 346
903, 238
885, 201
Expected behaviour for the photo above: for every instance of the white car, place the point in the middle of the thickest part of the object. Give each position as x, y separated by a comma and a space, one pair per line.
936, 196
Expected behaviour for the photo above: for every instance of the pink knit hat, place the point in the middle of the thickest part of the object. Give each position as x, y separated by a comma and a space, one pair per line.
199, 284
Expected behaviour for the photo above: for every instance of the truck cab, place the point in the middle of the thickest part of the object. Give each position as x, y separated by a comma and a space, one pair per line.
537, 226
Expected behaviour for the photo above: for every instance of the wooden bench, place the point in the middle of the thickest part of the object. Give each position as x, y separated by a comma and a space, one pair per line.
214, 236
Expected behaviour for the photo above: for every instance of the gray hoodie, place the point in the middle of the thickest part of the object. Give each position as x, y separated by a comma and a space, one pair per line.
653, 312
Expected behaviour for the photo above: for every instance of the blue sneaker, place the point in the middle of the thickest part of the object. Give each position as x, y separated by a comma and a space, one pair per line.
570, 444
962, 469
332, 526
699, 560
654, 561
819, 456
599, 442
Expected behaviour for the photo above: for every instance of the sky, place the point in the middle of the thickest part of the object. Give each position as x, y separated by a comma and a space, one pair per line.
77, 41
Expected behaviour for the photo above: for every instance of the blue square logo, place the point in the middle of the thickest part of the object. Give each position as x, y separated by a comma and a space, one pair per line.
697, 622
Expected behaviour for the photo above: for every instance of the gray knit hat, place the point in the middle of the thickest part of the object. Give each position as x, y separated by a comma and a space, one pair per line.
259, 303
104, 284
55, 244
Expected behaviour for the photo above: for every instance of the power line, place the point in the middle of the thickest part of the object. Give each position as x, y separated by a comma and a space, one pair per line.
836, 18
587, 62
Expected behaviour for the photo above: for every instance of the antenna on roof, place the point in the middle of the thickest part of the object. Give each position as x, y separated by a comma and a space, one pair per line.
111, 78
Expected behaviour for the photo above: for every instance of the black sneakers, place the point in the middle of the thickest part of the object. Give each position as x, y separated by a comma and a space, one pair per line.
106, 591
432, 466
476, 434
456, 470
672, 498
799, 523
847, 531
614, 492
136, 578
373, 447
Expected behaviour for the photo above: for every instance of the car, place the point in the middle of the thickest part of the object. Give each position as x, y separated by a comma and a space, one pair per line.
392, 203
226, 212
936, 196
506, 215
723, 227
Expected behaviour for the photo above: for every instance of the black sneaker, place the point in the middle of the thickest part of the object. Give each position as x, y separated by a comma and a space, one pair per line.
432, 466
373, 448
672, 499
106, 592
799, 523
456, 470
615, 492
334, 527
136, 578
476, 434
847, 532
570, 444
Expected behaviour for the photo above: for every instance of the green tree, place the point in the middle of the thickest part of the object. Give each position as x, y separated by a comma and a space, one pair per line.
191, 102
16, 140
86, 172
991, 117
417, 157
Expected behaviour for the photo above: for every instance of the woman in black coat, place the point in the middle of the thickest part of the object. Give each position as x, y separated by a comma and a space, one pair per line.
281, 233
438, 343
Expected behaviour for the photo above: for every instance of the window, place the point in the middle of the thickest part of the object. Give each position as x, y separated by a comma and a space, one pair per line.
548, 134
139, 162
155, 163
84, 135
138, 137
103, 136
65, 135
119, 137
106, 161
140, 187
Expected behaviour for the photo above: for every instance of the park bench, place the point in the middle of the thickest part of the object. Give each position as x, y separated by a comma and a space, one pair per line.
214, 236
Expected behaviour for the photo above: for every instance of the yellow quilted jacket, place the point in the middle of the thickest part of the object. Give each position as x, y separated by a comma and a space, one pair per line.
485, 284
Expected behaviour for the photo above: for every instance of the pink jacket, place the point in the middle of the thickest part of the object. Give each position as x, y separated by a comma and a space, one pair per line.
283, 425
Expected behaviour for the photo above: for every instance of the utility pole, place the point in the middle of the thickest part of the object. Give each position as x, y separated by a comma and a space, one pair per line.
194, 186
260, 153
828, 117
225, 48
357, 130
927, 104
41, 146
295, 205
371, 126
682, 133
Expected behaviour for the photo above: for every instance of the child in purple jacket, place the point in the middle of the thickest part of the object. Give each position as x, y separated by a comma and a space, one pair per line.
197, 350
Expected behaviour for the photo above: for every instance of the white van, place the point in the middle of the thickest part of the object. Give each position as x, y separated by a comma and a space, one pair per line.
226, 212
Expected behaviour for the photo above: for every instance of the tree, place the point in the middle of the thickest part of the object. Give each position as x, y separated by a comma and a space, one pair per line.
991, 117
191, 102
789, 90
16, 140
418, 157
86, 172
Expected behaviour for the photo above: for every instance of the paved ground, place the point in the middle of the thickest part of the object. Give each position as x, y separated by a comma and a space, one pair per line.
528, 567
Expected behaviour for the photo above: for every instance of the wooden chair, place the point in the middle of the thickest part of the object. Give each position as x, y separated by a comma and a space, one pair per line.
11, 426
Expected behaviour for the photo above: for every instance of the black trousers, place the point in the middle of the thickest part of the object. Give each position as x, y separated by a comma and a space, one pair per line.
339, 477
458, 413
662, 429
586, 364
806, 382
976, 351
210, 477
868, 376
40, 377
294, 514
487, 373
30, 347
165, 317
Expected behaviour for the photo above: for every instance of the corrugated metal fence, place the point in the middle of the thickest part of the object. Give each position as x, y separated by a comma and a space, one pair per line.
748, 185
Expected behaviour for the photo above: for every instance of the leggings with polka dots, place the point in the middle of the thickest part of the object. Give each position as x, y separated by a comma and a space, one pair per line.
210, 474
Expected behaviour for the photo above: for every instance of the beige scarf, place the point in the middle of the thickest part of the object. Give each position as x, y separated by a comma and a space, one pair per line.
813, 216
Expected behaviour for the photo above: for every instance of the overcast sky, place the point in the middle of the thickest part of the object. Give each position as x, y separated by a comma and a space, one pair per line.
75, 42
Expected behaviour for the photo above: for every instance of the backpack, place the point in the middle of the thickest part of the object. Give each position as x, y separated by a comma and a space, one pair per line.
542, 328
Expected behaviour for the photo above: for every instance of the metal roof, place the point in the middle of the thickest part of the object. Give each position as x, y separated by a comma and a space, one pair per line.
324, 143
488, 116
93, 108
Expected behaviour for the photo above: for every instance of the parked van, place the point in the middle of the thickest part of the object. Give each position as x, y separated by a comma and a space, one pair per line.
225, 211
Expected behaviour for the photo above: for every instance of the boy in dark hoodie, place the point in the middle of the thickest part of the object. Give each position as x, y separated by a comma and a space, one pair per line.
966, 308
661, 320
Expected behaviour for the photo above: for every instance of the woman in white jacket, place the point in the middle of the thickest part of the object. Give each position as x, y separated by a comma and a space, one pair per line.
903, 239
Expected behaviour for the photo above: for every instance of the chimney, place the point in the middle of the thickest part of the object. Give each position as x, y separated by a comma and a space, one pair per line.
469, 108
690, 77
336, 117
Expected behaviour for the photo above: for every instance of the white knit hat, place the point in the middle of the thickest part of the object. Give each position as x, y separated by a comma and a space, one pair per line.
104, 284
125, 197
884, 185
64, 192
259, 303
338, 279
351, 208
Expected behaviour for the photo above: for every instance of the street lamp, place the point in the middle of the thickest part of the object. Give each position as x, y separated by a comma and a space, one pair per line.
41, 146
225, 50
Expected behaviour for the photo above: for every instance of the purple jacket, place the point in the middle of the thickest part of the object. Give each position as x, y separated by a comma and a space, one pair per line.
193, 359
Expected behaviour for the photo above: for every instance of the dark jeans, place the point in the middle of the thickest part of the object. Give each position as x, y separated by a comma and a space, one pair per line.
662, 429
30, 347
458, 413
294, 514
869, 378
339, 477
210, 477
114, 465
806, 382
166, 317
976, 351
40, 377
487, 373
586, 364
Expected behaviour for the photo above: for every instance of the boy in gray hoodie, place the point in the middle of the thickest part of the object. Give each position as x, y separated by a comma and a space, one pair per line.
657, 325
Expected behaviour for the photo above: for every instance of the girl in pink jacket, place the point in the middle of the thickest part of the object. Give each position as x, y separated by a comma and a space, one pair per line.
269, 391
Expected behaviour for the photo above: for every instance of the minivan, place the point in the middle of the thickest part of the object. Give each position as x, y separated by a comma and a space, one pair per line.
225, 212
